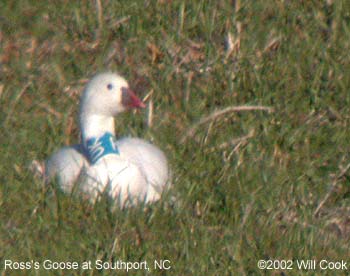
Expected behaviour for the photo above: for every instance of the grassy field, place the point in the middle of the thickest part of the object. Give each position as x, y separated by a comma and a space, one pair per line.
250, 184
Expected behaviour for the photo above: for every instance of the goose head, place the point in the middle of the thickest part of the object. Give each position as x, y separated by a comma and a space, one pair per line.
105, 96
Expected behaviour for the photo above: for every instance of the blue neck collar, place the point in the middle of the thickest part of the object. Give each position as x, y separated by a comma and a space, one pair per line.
96, 148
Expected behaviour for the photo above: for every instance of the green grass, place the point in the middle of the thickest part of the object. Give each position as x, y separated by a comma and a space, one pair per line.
238, 203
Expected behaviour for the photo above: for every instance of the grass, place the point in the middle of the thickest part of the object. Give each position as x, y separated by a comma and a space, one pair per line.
239, 200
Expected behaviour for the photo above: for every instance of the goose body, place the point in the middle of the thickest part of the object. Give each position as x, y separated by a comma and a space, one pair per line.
66, 165
128, 170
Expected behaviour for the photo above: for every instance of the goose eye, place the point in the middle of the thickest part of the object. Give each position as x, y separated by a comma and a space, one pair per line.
109, 86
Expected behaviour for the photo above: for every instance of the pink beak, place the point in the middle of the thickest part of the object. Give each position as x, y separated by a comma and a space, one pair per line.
130, 100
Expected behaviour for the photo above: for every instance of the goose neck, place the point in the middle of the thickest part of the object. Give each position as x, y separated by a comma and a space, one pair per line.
95, 126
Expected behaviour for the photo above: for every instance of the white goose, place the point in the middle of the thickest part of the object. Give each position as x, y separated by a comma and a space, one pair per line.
129, 170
